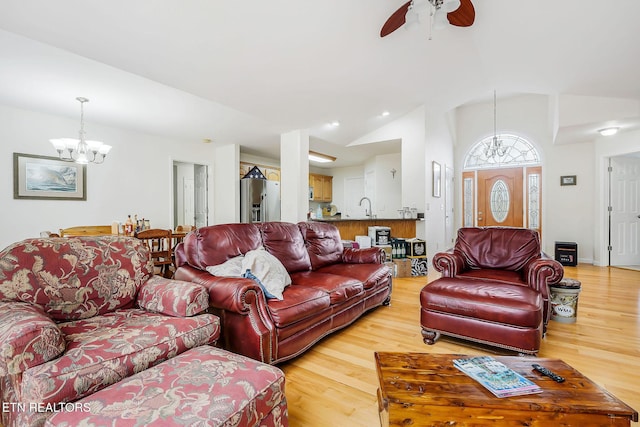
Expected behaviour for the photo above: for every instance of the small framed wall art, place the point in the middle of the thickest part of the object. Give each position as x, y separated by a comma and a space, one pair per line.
41, 177
568, 180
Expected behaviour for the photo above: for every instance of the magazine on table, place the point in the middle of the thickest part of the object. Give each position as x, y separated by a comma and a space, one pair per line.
496, 376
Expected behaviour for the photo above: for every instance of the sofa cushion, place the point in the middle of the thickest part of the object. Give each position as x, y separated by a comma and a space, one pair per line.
284, 240
105, 349
173, 297
370, 275
75, 278
230, 268
215, 244
498, 247
507, 276
323, 243
269, 271
27, 337
485, 300
205, 386
339, 288
299, 303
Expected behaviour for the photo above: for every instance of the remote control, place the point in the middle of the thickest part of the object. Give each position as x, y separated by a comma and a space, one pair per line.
544, 371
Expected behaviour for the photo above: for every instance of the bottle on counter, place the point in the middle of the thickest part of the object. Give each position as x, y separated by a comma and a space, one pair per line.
128, 226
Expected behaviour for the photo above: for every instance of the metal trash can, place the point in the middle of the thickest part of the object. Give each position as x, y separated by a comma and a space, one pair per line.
564, 300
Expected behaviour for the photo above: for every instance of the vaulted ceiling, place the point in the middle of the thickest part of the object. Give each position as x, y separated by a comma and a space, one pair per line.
244, 72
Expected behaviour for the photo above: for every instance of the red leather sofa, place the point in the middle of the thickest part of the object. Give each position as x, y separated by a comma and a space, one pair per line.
331, 286
494, 289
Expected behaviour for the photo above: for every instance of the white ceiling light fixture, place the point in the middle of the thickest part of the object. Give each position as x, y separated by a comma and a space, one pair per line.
438, 11
385, 113
335, 123
320, 158
608, 131
80, 150
494, 148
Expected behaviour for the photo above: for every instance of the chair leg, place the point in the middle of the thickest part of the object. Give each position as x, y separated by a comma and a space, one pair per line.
430, 337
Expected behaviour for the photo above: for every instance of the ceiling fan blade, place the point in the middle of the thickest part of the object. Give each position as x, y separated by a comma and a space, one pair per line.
395, 21
462, 16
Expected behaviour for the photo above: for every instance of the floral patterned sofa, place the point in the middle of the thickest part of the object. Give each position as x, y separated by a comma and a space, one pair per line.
80, 314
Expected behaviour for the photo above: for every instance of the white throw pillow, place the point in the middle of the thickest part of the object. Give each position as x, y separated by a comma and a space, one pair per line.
268, 269
230, 268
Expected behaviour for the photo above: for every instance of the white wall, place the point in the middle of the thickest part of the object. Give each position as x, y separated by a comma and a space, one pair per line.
388, 188
226, 184
294, 175
136, 177
340, 177
438, 148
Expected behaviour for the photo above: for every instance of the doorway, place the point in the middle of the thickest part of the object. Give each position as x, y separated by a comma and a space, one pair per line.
502, 186
624, 212
448, 206
508, 197
190, 194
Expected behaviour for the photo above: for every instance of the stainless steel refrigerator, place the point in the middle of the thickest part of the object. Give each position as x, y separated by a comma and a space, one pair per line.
259, 200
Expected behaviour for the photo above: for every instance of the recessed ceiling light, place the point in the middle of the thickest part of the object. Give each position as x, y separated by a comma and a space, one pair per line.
608, 131
335, 123
385, 113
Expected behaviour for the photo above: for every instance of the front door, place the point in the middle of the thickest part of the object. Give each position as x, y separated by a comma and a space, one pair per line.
500, 197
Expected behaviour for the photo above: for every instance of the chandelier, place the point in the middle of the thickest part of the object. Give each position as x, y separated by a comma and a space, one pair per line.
494, 148
80, 150
437, 12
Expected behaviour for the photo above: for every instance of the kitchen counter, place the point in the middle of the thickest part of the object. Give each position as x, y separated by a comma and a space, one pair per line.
349, 228
338, 218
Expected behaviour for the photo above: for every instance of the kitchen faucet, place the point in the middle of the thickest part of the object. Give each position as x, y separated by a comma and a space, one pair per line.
366, 212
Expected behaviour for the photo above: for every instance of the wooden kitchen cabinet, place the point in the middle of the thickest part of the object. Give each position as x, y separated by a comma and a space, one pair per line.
322, 187
270, 172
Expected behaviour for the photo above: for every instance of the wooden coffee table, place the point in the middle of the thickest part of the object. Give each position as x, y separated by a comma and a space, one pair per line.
420, 389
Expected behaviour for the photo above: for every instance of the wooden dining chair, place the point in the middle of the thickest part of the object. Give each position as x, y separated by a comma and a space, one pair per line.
180, 232
158, 241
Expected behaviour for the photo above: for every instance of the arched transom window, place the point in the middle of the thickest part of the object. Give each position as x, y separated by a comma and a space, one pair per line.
501, 183
502, 150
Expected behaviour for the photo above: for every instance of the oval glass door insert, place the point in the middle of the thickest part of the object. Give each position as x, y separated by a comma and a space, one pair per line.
500, 201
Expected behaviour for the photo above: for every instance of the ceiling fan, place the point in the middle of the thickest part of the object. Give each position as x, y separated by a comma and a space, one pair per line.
460, 13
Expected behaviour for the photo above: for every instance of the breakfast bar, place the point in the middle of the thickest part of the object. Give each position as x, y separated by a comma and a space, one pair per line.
349, 228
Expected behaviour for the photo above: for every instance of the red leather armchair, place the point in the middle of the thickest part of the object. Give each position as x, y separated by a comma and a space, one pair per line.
494, 289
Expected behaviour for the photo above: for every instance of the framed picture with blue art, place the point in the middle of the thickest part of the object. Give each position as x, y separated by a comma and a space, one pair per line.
41, 177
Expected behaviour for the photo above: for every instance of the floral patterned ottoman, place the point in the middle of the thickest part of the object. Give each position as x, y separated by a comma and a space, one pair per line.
204, 386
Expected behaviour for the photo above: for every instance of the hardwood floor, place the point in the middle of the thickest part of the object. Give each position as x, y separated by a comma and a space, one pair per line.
334, 383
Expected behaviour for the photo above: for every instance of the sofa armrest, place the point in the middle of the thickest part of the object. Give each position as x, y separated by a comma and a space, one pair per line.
363, 256
248, 327
541, 272
449, 263
28, 337
173, 297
